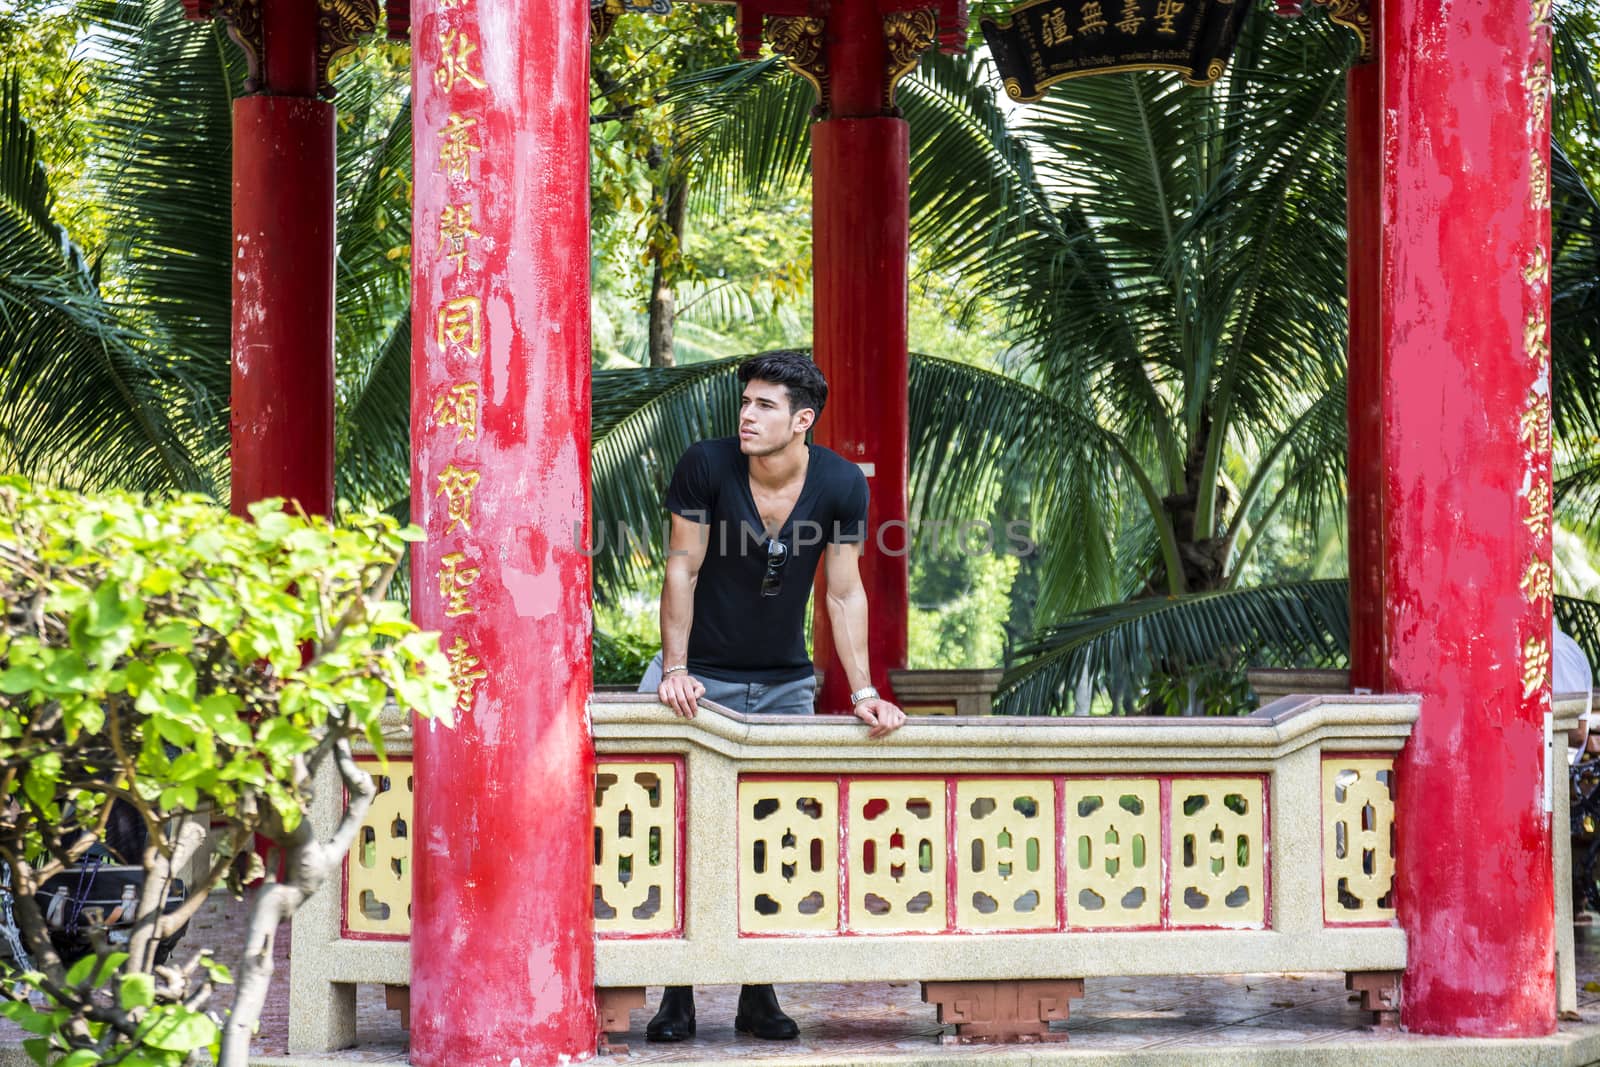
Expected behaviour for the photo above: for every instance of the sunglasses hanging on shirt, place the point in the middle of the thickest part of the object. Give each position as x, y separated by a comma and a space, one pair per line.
777, 556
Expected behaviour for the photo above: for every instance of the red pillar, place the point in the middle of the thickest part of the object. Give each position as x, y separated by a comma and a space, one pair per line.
502, 943
283, 207
859, 195
1364, 377
1466, 503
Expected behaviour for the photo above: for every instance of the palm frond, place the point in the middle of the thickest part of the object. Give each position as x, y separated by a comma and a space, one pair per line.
641, 422
165, 173
79, 404
1119, 646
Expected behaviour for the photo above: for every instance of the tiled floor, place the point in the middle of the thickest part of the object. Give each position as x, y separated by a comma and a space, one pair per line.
1170, 1020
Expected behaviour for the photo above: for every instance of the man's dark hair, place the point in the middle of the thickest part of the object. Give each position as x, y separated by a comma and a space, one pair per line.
794, 371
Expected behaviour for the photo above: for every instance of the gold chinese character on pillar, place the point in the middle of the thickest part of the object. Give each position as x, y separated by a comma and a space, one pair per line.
1537, 272
460, 141
460, 324
455, 61
458, 407
455, 581
1535, 431
1535, 665
1538, 518
1535, 335
456, 486
455, 230
1094, 19
1166, 12
1538, 180
1538, 582
464, 673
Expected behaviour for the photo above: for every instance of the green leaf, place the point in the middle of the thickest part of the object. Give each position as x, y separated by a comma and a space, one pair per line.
40, 780
26, 1016
179, 1029
20, 679
137, 991
82, 1057
80, 971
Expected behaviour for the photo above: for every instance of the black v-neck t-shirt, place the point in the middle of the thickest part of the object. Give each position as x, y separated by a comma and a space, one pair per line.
738, 635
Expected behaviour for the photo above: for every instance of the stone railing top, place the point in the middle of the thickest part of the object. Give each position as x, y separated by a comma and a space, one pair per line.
1378, 722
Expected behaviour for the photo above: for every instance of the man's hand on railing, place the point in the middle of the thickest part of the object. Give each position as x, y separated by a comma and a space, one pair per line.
882, 716
680, 692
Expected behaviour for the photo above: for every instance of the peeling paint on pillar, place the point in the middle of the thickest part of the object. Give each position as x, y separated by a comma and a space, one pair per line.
502, 942
1465, 346
281, 409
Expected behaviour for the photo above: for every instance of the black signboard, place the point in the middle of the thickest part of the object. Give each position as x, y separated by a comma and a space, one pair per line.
1047, 41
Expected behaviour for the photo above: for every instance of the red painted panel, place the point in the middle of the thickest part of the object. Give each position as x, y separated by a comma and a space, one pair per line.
1465, 350
502, 942
281, 419
859, 196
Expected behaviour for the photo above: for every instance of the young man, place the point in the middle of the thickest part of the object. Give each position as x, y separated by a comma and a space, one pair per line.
752, 516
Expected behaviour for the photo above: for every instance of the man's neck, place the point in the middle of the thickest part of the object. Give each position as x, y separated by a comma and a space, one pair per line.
778, 469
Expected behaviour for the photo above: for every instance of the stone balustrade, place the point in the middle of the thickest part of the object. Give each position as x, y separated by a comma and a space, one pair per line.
969, 854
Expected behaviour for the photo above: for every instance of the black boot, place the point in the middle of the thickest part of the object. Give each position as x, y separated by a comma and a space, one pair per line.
760, 1016
674, 1020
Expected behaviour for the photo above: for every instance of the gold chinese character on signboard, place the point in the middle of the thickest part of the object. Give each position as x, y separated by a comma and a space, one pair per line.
1166, 12
456, 486
1539, 581
1055, 29
455, 230
458, 407
459, 142
464, 673
1538, 518
454, 583
460, 323
1536, 422
1535, 665
455, 61
1093, 20
1131, 21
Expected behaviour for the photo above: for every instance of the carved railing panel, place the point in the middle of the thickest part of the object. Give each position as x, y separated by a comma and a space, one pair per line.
1357, 838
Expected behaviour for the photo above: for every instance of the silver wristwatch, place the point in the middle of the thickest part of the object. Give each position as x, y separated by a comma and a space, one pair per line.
864, 693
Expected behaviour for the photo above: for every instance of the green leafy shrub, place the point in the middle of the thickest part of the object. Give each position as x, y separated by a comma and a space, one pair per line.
200, 668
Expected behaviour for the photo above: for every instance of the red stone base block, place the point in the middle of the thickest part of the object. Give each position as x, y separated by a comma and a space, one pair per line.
1380, 994
398, 998
999, 1012
613, 1007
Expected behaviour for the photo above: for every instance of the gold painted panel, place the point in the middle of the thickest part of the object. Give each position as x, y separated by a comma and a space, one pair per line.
788, 856
897, 855
636, 847
1113, 843
377, 896
1357, 839
1218, 861
1006, 854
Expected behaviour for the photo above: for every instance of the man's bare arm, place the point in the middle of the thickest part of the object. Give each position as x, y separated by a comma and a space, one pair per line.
686, 551
847, 612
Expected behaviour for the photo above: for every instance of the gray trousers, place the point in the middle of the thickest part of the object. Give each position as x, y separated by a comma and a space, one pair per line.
747, 698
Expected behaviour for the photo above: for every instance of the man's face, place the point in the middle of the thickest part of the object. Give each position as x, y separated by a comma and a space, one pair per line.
765, 423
